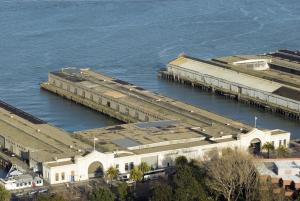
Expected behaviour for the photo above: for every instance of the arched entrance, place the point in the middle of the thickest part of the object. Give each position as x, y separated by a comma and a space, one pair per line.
255, 146
95, 169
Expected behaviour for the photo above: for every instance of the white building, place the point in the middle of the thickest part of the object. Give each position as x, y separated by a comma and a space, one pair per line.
21, 182
157, 155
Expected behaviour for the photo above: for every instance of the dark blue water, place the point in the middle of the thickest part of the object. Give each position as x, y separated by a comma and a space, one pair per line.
132, 40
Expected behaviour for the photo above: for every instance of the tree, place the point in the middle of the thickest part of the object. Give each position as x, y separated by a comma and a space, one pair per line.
186, 186
136, 175
233, 176
161, 192
101, 194
282, 151
268, 146
122, 191
111, 173
144, 167
4, 194
269, 192
54, 197
181, 160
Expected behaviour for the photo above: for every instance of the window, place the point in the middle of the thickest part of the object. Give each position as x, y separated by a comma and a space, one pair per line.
131, 165
273, 143
117, 166
56, 177
18, 185
279, 142
62, 176
126, 167
284, 142
108, 104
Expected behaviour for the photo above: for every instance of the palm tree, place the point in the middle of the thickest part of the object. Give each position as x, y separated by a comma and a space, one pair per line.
111, 174
144, 167
136, 175
282, 151
268, 146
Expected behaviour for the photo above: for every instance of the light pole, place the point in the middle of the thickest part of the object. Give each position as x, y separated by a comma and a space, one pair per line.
95, 142
255, 119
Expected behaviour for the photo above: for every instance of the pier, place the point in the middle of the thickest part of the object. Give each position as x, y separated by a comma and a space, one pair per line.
29, 141
252, 79
158, 130
131, 104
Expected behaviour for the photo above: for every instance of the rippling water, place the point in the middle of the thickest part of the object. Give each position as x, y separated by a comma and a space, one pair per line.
132, 40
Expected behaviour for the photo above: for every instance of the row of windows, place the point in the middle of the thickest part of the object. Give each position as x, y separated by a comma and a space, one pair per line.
62, 176
13, 143
28, 183
281, 142
23, 184
108, 103
129, 166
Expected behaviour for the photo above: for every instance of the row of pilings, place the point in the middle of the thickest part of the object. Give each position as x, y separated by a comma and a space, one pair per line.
208, 88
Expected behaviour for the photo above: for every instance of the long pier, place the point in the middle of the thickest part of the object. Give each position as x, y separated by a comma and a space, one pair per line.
129, 103
233, 78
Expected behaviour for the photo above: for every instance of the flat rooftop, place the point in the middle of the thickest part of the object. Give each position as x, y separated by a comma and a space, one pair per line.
268, 166
163, 107
151, 136
44, 141
226, 74
281, 70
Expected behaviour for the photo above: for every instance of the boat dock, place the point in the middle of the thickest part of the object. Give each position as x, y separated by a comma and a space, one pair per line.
270, 81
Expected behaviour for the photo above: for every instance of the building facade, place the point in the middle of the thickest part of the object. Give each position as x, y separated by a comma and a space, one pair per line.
95, 164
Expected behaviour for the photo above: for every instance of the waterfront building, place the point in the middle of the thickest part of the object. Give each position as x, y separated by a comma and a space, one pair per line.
269, 81
158, 130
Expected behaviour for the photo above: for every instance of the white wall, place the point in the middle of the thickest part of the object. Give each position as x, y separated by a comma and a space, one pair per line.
82, 163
